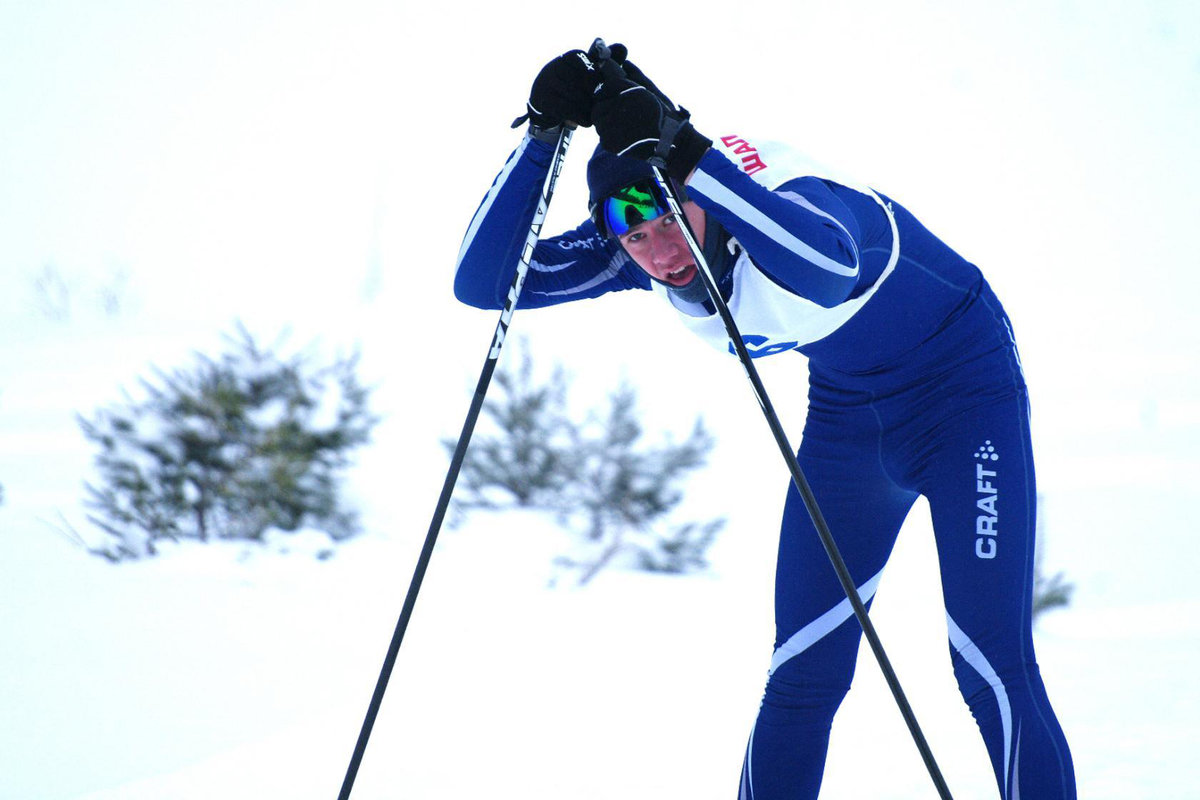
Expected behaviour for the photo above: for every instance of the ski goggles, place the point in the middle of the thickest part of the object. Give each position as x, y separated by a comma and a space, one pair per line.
636, 203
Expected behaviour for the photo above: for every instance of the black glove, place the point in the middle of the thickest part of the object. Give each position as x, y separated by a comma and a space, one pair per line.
563, 90
634, 118
636, 75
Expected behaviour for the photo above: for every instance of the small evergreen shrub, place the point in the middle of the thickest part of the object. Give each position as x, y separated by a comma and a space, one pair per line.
227, 448
606, 486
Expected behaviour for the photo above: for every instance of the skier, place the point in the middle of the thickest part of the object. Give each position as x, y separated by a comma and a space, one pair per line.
916, 388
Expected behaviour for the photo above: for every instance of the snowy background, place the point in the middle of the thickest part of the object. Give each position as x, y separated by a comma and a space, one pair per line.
311, 168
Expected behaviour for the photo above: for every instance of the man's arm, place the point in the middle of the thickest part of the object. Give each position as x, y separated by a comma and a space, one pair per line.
575, 265
802, 235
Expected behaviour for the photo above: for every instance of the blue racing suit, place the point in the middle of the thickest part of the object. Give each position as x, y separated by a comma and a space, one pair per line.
915, 389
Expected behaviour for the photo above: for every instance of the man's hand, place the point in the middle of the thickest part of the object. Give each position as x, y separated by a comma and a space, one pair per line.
562, 92
635, 119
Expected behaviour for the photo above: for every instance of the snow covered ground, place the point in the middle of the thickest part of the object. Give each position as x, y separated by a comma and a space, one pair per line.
227, 673
299, 166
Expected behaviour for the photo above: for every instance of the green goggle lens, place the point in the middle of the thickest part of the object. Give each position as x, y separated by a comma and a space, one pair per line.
633, 205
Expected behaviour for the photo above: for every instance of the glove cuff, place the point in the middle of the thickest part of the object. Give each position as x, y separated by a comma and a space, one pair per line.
548, 135
688, 147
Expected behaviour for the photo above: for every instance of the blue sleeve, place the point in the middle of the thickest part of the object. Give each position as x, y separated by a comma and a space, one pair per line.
801, 234
575, 265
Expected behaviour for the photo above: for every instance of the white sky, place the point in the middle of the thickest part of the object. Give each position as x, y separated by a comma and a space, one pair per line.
249, 144
313, 165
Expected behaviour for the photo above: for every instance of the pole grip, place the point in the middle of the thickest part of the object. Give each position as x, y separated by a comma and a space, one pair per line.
599, 51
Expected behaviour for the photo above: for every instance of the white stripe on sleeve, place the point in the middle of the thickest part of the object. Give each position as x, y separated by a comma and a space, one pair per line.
710, 187
486, 206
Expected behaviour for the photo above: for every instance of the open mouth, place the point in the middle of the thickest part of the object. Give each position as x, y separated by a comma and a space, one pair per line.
680, 276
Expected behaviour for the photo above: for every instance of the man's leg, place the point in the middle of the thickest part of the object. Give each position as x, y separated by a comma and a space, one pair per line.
816, 633
980, 485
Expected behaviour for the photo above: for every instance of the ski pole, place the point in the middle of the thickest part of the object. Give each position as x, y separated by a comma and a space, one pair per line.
658, 164
456, 461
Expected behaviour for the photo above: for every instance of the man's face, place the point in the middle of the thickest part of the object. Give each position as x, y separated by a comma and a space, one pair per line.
659, 248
